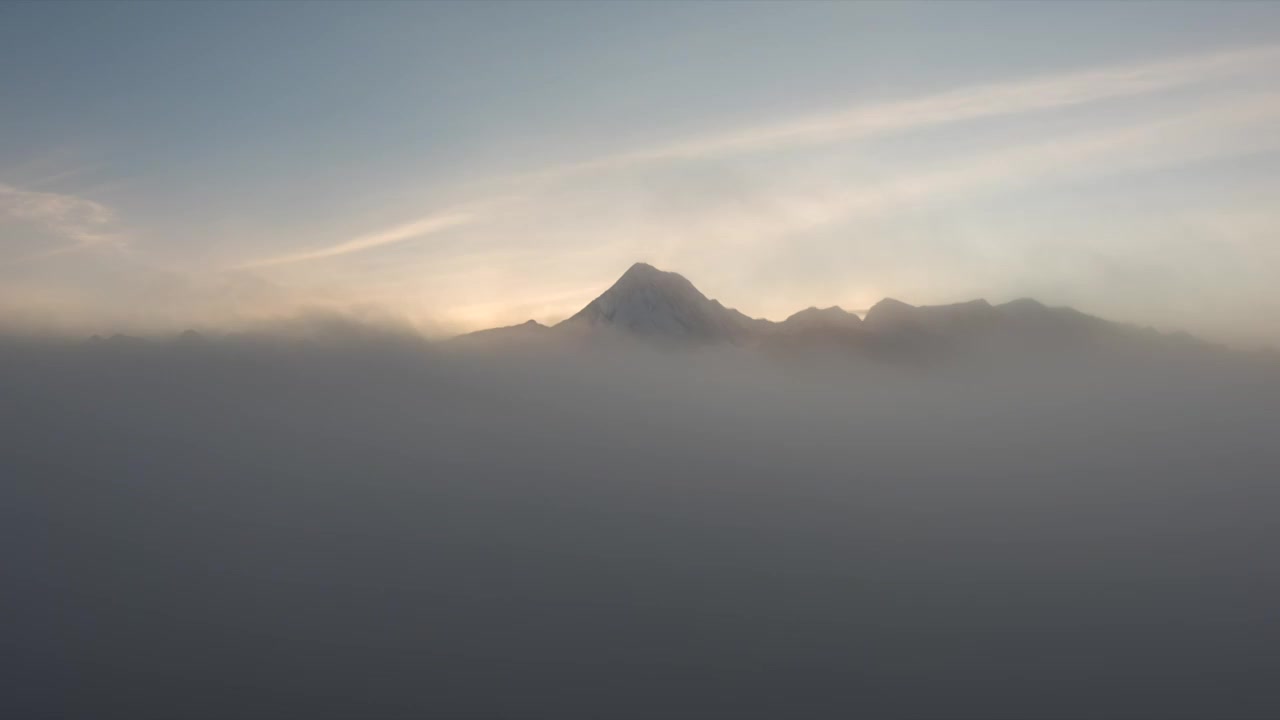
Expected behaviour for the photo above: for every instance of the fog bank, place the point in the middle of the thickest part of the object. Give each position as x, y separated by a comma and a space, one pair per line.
339, 524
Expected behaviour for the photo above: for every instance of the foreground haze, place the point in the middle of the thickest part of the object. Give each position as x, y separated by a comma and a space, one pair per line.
694, 360
651, 510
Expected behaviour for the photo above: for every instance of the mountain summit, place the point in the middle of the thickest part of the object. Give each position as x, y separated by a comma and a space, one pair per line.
653, 303
664, 307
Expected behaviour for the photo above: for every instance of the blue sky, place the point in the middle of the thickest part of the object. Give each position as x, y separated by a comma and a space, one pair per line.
165, 165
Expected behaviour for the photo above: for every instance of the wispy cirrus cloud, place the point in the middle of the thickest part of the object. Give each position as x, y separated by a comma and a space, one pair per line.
418, 228
968, 103
1238, 126
84, 223
845, 124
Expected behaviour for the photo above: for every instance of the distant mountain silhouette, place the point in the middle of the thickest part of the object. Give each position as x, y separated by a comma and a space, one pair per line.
662, 305
658, 308
665, 308
529, 331
832, 318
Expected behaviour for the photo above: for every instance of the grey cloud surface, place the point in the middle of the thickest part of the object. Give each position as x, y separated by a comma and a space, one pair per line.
359, 524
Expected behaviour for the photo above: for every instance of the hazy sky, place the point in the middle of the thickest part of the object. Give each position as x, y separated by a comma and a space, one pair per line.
168, 165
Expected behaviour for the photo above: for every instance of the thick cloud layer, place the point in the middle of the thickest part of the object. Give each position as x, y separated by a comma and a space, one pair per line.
366, 526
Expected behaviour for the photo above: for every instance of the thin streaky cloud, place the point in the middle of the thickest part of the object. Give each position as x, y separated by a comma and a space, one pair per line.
408, 231
1234, 126
84, 222
1226, 129
971, 103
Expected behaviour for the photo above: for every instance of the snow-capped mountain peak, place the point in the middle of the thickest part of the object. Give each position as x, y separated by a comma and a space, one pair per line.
650, 302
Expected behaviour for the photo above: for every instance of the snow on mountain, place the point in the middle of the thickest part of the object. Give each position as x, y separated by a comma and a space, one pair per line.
664, 307
652, 303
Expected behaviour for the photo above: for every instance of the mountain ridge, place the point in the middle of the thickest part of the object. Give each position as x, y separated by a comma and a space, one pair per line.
664, 307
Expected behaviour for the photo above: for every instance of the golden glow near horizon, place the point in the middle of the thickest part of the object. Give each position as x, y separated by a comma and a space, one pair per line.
1139, 187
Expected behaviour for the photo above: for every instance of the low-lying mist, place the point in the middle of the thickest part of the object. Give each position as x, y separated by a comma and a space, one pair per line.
358, 524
